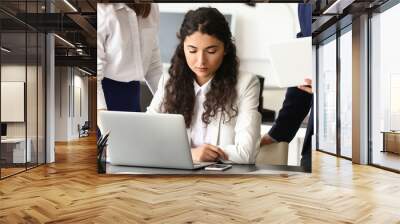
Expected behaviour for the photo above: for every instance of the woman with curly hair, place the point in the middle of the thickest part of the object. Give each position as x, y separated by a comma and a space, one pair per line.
219, 105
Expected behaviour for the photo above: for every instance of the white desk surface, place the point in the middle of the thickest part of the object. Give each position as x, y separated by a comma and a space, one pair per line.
13, 140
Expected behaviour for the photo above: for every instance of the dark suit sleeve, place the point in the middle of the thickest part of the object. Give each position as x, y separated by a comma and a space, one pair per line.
295, 108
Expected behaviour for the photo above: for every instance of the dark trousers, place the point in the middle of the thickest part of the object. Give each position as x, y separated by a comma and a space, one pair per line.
306, 152
121, 96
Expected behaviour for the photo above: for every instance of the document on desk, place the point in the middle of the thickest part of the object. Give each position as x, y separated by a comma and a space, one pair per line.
291, 62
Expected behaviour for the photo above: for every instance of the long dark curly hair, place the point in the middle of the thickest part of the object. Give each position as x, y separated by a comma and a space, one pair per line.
179, 90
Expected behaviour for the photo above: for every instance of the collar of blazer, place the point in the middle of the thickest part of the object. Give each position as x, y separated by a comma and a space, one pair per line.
213, 128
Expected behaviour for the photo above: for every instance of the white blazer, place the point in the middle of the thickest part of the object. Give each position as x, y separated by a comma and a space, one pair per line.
238, 138
127, 47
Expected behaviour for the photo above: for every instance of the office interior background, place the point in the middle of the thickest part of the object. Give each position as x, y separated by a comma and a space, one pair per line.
48, 82
357, 82
48, 88
48, 75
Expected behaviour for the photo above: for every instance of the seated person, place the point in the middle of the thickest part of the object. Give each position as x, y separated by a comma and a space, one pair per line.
219, 105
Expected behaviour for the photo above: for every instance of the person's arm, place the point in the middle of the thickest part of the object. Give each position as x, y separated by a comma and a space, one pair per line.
158, 98
247, 128
155, 68
295, 108
208, 153
102, 34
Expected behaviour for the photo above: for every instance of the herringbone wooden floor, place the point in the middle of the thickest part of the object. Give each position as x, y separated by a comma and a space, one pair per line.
70, 191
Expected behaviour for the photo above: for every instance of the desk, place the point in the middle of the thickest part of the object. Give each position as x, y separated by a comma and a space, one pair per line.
16, 147
236, 169
391, 141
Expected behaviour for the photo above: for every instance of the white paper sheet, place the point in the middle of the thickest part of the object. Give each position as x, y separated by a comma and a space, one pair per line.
291, 62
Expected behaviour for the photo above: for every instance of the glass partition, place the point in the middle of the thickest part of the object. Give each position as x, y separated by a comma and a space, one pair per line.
31, 100
13, 104
22, 89
41, 86
346, 93
385, 89
327, 96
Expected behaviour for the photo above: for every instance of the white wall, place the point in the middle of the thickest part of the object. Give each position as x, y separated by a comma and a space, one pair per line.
390, 66
33, 126
14, 73
385, 65
61, 103
80, 102
273, 98
70, 84
17, 73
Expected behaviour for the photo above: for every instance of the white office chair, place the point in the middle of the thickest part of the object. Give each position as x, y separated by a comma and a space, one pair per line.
273, 154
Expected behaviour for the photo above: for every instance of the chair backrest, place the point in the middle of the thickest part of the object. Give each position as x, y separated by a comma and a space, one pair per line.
274, 154
86, 125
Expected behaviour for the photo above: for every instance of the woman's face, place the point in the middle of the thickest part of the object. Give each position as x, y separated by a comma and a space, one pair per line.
204, 55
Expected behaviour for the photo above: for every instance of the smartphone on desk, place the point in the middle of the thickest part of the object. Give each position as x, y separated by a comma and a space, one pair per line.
218, 167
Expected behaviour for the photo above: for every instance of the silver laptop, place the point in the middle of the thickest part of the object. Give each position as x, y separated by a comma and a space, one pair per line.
148, 140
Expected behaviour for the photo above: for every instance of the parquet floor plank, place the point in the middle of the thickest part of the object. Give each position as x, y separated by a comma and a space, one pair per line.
71, 191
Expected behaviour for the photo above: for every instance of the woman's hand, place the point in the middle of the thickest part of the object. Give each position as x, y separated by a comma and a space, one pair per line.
208, 153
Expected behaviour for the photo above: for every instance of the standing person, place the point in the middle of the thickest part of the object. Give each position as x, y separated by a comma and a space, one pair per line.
219, 105
127, 52
296, 105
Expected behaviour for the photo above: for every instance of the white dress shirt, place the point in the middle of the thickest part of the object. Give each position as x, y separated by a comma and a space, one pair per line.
198, 130
127, 47
240, 137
